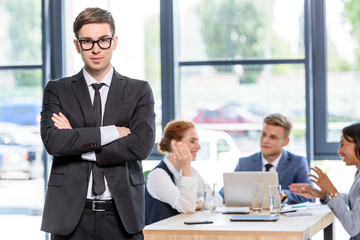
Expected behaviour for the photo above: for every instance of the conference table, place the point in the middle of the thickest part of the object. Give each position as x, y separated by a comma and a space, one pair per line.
289, 228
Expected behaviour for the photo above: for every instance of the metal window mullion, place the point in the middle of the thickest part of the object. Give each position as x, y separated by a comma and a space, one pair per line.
241, 62
322, 148
21, 67
168, 91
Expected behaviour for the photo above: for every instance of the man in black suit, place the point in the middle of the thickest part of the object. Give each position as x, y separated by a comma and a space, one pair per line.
98, 125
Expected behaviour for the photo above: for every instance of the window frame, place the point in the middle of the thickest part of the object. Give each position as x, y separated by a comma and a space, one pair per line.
314, 63
322, 148
53, 56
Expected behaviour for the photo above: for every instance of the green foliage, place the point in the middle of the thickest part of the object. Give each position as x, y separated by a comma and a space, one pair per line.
250, 74
357, 52
281, 48
336, 63
26, 37
28, 78
25, 29
152, 51
232, 29
352, 8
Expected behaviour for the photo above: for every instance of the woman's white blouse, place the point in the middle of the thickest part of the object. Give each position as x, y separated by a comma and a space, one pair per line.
184, 194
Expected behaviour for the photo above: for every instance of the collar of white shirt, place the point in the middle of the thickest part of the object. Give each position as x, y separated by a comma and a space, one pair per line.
90, 80
274, 163
172, 168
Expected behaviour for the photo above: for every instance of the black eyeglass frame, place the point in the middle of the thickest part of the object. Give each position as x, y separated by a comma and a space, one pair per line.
93, 43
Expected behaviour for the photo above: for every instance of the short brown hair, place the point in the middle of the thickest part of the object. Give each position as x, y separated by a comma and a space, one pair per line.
277, 119
93, 15
174, 130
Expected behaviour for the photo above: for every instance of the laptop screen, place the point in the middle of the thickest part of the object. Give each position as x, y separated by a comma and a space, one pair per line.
237, 187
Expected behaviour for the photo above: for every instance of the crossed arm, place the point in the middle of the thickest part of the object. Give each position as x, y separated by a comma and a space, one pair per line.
71, 134
61, 122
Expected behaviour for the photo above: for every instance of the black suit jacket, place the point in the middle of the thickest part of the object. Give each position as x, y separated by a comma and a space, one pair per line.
130, 103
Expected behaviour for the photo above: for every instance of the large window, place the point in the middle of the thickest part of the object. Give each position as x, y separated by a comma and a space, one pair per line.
21, 166
241, 29
240, 61
336, 85
219, 101
343, 65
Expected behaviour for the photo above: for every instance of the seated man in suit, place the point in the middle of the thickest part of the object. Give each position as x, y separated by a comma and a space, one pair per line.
291, 168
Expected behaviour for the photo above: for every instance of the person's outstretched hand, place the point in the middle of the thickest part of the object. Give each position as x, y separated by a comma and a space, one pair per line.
306, 190
323, 181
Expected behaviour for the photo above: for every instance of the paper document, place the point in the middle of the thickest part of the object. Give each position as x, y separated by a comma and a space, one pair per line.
224, 209
304, 206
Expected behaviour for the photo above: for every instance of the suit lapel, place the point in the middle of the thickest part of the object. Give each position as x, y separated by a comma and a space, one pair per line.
257, 162
114, 98
282, 167
82, 94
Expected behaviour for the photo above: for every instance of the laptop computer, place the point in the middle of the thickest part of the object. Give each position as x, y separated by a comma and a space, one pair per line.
237, 187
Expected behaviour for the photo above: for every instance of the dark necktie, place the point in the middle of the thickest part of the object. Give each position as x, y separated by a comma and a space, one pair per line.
267, 167
98, 173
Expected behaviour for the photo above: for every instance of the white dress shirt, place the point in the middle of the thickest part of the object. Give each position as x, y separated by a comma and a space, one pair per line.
184, 194
108, 133
273, 168
274, 163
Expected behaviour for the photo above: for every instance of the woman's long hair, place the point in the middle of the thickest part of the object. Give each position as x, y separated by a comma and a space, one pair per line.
352, 134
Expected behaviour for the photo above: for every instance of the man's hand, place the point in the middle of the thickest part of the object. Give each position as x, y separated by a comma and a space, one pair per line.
60, 121
123, 131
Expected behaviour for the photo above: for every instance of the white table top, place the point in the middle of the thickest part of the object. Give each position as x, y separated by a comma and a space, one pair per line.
300, 227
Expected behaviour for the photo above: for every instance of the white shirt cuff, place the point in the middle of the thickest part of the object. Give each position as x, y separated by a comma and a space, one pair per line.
90, 156
108, 134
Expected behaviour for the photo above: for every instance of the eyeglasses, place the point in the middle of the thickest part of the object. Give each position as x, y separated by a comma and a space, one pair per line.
103, 43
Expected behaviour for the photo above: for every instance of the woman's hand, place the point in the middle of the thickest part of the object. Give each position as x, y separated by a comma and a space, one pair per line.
60, 121
323, 181
181, 155
306, 190
200, 205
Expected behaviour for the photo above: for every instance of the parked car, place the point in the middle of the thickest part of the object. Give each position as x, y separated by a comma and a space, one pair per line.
218, 154
20, 151
21, 112
13, 159
228, 114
